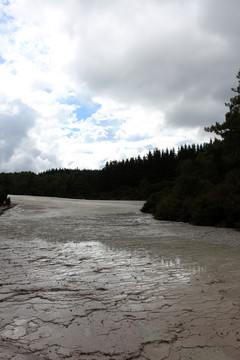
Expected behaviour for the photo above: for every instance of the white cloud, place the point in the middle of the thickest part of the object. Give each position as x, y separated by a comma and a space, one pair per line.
161, 71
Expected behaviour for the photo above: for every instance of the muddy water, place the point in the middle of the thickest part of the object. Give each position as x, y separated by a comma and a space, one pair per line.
91, 280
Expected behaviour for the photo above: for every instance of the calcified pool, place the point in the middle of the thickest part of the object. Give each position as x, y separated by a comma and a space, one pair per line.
91, 280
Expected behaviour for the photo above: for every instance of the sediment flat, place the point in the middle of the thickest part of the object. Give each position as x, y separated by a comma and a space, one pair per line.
92, 280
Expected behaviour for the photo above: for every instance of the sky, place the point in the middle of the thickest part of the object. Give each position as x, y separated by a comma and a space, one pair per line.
83, 82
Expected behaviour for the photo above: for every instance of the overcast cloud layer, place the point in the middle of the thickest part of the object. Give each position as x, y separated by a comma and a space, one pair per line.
84, 82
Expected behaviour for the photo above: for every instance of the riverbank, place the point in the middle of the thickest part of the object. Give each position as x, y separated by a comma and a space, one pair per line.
4, 208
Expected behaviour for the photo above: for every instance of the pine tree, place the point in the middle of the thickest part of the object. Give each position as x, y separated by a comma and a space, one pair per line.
230, 129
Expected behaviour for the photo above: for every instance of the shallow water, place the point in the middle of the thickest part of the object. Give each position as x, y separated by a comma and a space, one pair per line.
101, 280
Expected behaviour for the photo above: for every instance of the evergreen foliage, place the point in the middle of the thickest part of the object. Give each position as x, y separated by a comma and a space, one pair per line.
134, 178
3, 190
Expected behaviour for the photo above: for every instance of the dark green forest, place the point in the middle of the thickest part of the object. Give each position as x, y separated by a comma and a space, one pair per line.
199, 184
133, 179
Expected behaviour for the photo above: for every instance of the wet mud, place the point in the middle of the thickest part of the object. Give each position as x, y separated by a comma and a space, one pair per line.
88, 280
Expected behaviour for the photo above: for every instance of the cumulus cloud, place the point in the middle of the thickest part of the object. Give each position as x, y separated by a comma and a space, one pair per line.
16, 119
18, 151
151, 54
100, 80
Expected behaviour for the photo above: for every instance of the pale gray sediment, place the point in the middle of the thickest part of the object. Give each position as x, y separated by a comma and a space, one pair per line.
88, 280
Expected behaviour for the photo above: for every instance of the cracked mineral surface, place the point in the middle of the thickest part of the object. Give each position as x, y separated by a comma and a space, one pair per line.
99, 280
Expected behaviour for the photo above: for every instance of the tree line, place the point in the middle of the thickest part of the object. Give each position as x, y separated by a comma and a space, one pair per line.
199, 184
131, 179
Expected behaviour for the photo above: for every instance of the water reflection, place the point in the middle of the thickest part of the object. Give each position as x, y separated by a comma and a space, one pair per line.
129, 246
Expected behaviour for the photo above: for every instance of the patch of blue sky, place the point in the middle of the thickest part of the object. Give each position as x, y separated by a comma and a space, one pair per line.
2, 60
69, 132
69, 135
84, 112
75, 129
48, 90
4, 18
5, 2
70, 100
149, 148
89, 139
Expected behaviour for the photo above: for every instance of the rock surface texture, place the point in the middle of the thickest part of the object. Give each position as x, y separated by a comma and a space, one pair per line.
92, 280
